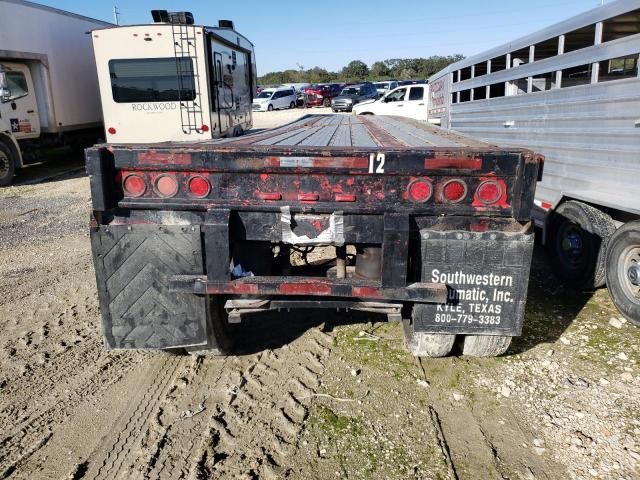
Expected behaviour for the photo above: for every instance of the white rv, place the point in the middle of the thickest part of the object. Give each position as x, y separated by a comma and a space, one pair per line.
173, 80
572, 92
48, 86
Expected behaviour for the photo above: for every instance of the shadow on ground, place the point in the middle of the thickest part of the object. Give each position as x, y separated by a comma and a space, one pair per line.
271, 330
57, 165
551, 307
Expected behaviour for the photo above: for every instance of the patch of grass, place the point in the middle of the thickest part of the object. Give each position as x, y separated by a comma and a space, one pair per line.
333, 424
362, 452
387, 354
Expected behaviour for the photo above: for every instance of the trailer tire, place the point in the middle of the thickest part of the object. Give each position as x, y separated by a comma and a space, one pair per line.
485, 345
623, 255
7, 165
422, 344
221, 335
578, 244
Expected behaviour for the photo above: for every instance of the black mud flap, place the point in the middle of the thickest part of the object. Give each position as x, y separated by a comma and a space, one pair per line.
133, 266
487, 276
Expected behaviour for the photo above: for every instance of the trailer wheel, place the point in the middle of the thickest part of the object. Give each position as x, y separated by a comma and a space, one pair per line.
623, 270
221, 335
270, 108
485, 345
7, 165
422, 344
578, 244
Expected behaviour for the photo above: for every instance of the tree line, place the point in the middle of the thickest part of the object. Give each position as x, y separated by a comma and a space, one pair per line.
357, 70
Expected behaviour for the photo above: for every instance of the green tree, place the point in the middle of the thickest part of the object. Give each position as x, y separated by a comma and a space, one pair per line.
380, 70
355, 70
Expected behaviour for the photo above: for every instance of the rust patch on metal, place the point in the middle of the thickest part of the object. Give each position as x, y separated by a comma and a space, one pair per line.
381, 136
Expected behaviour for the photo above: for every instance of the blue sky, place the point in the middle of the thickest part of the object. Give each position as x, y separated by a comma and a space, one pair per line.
330, 33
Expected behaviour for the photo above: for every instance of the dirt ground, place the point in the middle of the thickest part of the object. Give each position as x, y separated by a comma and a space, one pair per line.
309, 395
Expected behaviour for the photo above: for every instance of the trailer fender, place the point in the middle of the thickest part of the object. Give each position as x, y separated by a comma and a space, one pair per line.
11, 142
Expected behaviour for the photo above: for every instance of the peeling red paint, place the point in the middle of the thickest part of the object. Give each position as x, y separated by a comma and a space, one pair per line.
365, 292
453, 162
237, 288
153, 157
306, 288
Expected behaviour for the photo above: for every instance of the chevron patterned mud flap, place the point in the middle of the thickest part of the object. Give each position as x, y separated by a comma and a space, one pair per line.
133, 265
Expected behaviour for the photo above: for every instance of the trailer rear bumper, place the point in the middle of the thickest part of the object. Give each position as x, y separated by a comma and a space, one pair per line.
310, 286
154, 279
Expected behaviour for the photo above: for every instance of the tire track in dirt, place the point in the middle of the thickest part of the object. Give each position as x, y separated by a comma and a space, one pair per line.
494, 446
39, 427
115, 450
255, 408
255, 432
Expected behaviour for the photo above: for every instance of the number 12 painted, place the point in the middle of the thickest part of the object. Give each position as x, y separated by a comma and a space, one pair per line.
376, 163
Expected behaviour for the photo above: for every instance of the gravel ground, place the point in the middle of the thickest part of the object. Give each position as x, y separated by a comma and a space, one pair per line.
308, 395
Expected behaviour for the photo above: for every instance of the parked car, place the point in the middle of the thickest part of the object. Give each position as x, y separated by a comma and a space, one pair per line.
274, 98
299, 89
321, 94
352, 95
409, 101
386, 86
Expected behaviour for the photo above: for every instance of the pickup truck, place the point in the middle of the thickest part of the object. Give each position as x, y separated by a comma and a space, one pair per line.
422, 225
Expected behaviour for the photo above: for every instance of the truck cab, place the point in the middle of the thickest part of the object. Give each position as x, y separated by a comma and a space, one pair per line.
18, 104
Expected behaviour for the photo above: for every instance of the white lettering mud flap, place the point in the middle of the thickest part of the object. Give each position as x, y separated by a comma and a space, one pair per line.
134, 264
487, 275
311, 229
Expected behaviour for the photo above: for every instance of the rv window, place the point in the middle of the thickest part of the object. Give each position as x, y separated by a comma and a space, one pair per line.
617, 69
621, 26
152, 79
17, 84
580, 75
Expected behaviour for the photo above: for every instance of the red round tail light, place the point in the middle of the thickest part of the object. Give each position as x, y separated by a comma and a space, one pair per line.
199, 187
166, 186
204, 128
112, 131
134, 185
454, 190
420, 191
489, 192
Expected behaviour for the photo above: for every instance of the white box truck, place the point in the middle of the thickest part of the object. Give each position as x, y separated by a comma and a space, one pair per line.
48, 86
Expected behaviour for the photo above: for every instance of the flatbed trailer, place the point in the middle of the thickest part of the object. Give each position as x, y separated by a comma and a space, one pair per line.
422, 225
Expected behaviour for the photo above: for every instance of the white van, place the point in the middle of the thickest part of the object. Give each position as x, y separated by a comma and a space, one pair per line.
274, 98
408, 101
